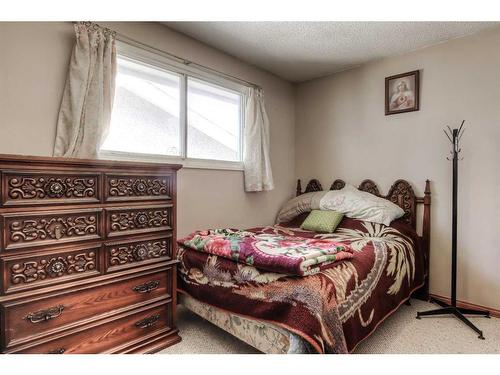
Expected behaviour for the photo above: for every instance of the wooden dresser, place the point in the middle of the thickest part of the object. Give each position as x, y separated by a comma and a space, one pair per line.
87, 256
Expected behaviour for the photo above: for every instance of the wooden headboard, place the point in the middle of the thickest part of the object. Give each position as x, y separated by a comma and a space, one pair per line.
400, 193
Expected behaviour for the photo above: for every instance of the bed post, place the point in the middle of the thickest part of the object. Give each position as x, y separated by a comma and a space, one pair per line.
426, 236
299, 188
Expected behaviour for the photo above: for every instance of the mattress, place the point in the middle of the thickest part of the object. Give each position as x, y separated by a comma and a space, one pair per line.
263, 336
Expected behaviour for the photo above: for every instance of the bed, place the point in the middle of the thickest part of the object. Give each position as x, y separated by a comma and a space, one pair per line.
331, 311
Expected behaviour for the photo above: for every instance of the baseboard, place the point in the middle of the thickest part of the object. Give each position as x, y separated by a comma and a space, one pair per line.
467, 305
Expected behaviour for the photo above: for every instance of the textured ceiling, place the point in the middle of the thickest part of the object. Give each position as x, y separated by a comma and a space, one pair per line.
299, 51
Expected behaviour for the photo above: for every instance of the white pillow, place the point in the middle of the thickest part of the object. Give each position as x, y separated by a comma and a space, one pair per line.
361, 205
303, 203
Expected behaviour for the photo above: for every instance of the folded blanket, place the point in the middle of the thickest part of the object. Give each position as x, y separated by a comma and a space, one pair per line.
275, 253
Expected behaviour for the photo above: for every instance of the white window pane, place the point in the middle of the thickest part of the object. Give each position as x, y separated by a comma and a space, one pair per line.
213, 122
146, 110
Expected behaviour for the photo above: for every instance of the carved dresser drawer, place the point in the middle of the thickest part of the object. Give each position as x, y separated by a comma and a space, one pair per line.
41, 188
124, 221
87, 250
109, 337
131, 253
49, 267
128, 187
31, 318
29, 229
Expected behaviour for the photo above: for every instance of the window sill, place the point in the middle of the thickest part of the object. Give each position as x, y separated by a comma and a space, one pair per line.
186, 163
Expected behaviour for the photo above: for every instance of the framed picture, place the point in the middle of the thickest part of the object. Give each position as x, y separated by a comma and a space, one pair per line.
402, 93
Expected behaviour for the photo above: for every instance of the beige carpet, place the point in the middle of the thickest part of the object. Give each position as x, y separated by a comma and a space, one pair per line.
401, 333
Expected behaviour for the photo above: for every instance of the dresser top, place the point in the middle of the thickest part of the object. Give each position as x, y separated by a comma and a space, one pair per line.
41, 161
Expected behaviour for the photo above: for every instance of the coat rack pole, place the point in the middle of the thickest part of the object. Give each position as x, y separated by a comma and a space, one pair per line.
454, 136
454, 222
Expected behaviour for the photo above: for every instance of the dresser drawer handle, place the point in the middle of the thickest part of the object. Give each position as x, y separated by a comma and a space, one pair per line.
58, 232
148, 322
147, 287
57, 351
45, 315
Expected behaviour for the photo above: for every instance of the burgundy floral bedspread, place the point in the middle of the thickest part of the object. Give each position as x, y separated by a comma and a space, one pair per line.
292, 255
333, 309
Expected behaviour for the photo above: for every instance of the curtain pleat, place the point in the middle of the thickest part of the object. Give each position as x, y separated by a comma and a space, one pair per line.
256, 150
87, 102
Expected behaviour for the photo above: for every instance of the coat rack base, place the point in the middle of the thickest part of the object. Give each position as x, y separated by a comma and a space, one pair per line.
459, 312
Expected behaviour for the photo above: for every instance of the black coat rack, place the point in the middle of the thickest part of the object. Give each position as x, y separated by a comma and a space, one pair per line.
454, 136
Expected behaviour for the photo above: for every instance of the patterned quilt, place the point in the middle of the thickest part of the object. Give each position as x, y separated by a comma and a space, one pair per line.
290, 255
333, 309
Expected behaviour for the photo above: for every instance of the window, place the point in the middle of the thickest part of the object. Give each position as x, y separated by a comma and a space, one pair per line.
146, 111
169, 112
213, 119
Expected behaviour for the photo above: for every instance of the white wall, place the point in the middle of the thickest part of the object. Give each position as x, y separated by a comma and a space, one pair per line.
342, 132
33, 66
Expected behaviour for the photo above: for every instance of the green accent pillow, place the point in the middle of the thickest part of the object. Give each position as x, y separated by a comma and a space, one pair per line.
322, 221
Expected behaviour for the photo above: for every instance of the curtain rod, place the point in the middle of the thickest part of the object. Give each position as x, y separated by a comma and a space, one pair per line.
126, 39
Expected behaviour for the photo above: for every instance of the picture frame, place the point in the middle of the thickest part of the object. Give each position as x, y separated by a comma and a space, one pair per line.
402, 93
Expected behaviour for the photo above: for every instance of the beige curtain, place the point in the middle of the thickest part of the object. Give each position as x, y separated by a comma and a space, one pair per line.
256, 150
86, 106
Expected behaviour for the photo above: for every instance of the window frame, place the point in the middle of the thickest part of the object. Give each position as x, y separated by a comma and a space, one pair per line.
184, 71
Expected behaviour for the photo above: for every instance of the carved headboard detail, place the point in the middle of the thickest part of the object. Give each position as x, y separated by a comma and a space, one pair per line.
400, 193
370, 187
314, 185
337, 185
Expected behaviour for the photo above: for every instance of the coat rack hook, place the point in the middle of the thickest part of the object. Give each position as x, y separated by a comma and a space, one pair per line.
461, 125
447, 136
460, 135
